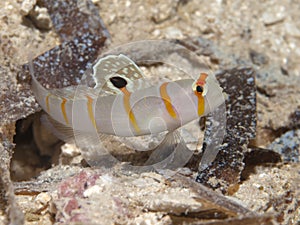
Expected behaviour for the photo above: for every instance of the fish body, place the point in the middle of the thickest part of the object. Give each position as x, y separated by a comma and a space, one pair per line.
128, 110
149, 113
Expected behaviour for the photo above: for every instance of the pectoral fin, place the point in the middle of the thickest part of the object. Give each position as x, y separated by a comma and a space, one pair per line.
93, 149
172, 153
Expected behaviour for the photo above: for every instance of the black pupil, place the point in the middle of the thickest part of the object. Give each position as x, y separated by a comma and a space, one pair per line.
199, 89
118, 82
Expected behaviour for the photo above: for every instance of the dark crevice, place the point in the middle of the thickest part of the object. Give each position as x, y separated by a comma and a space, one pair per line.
27, 160
258, 157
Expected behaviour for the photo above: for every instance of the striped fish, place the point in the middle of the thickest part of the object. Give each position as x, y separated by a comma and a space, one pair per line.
121, 104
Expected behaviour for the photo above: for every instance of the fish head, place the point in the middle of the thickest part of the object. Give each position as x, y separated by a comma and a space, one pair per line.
209, 93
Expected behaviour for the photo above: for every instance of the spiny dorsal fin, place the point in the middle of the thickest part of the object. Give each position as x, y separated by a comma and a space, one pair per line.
118, 66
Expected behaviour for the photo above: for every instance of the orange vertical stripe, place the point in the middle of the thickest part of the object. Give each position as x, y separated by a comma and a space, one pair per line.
128, 109
47, 103
166, 98
201, 104
63, 110
90, 110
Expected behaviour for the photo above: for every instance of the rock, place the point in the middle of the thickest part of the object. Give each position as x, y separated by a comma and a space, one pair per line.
41, 18
85, 19
43, 199
131, 198
273, 15
292, 29
7, 196
173, 32
258, 58
274, 191
239, 85
288, 146
39, 15
164, 10
27, 6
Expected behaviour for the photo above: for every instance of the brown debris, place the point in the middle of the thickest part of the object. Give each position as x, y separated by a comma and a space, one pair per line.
239, 85
66, 63
10, 94
82, 33
74, 19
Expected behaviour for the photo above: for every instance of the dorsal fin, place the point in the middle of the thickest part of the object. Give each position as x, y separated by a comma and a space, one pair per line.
72, 92
117, 66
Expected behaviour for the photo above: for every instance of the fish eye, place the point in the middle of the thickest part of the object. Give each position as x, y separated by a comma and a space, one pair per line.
199, 89
118, 82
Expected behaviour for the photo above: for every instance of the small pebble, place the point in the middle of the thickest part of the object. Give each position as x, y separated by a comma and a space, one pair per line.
27, 6
43, 198
273, 15
41, 18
